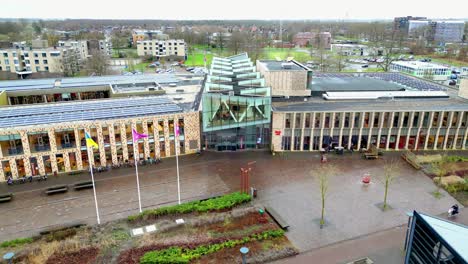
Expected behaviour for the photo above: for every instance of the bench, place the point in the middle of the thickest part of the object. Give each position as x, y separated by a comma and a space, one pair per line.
82, 185
409, 157
76, 172
6, 197
56, 189
277, 218
371, 156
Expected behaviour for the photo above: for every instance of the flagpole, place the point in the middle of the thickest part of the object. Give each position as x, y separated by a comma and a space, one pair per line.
176, 132
94, 186
135, 145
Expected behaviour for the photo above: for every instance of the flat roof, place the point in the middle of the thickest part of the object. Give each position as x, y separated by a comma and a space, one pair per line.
316, 104
33, 84
354, 84
86, 111
379, 81
274, 65
419, 65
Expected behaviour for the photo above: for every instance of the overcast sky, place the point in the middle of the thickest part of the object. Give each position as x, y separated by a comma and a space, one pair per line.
232, 9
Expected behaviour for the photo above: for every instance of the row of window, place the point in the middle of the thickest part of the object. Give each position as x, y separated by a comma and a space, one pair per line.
400, 119
28, 68
39, 141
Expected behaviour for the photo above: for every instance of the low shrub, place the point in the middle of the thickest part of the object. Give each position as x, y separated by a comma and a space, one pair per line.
457, 187
185, 255
455, 158
224, 202
60, 234
16, 242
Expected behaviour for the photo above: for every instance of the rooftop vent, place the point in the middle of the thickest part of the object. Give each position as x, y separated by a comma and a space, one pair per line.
286, 65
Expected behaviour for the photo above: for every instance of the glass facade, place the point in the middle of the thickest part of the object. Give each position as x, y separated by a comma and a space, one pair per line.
236, 106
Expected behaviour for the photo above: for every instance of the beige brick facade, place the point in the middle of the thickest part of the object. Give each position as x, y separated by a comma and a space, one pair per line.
69, 158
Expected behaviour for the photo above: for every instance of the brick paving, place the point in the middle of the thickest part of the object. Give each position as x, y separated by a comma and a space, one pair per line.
284, 182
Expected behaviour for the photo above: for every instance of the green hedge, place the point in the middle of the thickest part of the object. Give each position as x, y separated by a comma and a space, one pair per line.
455, 158
16, 242
177, 255
224, 202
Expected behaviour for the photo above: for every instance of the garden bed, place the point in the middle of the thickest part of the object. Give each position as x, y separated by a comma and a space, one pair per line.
215, 227
82, 256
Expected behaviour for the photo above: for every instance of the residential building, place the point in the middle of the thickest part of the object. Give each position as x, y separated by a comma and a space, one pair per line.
81, 47
303, 39
172, 49
434, 240
100, 45
45, 138
220, 38
145, 34
446, 31
26, 61
236, 106
286, 78
420, 69
401, 24
417, 28
322, 39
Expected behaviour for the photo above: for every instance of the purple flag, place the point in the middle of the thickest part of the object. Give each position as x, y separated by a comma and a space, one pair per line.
137, 136
177, 130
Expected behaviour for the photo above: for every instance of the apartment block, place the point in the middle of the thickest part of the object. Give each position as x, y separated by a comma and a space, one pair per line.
172, 49
145, 34
81, 47
25, 61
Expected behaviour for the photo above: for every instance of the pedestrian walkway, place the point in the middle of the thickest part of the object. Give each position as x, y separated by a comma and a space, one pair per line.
384, 247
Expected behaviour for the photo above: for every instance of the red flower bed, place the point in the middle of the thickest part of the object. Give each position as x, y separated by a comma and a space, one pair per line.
82, 256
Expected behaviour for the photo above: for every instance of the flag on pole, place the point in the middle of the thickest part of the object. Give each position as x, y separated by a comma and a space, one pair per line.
176, 129
90, 142
137, 136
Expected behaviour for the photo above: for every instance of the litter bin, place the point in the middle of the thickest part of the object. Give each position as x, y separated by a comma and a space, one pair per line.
253, 192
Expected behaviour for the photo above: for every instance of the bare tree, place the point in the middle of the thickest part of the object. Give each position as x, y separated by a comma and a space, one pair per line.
390, 171
440, 171
324, 173
97, 63
388, 48
70, 63
236, 43
119, 41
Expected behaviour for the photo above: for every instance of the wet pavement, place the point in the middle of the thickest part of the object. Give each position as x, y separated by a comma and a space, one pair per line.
284, 182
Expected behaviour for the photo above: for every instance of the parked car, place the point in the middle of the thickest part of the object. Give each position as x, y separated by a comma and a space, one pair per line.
452, 82
365, 66
159, 71
189, 68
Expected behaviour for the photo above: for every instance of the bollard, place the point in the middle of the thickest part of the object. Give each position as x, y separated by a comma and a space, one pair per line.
244, 251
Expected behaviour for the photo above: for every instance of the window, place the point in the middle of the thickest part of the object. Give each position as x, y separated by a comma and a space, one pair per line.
288, 121
8, 68
44, 55
5, 54
44, 61
36, 61
36, 55
15, 61
38, 68
46, 68
7, 61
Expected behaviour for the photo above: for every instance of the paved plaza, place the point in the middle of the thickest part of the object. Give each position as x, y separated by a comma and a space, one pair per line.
284, 182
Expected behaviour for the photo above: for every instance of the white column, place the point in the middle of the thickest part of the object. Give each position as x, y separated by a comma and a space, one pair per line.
459, 122
447, 132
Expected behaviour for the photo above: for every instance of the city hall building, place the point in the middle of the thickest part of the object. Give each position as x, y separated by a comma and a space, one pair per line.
390, 111
44, 138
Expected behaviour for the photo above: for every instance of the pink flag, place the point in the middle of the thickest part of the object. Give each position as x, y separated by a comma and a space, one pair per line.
137, 136
176, 129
